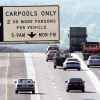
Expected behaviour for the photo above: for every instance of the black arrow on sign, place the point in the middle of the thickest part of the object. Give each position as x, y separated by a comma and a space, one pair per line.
31, 34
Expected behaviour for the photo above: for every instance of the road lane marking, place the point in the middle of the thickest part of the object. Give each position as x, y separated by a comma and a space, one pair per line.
90, 73
6, 77
53, 83
31, 72
60, 98
55, 87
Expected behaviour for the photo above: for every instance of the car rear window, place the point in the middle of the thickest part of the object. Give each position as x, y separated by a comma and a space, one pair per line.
75, 81
53, 48
25, 81
73, 64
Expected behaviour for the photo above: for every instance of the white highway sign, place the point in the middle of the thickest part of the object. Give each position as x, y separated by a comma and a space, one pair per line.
31, 23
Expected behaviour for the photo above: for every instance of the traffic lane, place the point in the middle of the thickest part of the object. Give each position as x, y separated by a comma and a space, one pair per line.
49, 79
3, 66
90, 74
48, 89
16, 70
2, 83
90, 91
31, 73
95, 70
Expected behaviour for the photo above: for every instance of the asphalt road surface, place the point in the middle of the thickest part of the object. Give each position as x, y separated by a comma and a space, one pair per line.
49, 81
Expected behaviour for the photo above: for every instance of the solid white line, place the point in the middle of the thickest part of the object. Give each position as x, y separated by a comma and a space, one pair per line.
91, 75
31, 72
6, 77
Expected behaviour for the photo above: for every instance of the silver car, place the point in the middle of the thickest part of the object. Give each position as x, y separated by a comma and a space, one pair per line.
93, 60
25, 85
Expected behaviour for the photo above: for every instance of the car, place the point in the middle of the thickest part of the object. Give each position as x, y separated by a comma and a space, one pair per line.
53, 47
75, 84
93, 60
51, 54
71, 65
60, 58
25, 85
58, 61
70, 59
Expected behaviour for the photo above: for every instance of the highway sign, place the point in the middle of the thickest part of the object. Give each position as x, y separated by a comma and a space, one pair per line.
31, 23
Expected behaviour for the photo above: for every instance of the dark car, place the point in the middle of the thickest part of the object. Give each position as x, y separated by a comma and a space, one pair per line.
58, 61
53, 47
75, 84
51, 54
71, 65
60, 58
25, 85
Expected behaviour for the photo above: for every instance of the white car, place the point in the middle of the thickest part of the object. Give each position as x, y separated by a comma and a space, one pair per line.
71, 63
70, 59
93, 60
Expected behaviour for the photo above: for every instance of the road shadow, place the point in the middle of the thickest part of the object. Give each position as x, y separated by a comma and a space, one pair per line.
60, 68
95, 67
28, 93
89, 92
78, 91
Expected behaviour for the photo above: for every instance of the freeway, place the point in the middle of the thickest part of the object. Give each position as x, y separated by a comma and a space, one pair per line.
49, 81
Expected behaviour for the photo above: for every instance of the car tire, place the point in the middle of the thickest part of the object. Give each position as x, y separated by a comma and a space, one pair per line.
83, 90
16, 91
33, 92
47, 60
67, 90
78, 69
88, 66
65, 69
55, 66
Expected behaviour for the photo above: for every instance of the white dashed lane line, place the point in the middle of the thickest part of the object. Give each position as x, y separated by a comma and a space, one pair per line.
31, 73
6, 77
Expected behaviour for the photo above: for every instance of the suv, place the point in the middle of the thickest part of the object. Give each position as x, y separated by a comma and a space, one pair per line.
60, 58
25, 85
51, 54
75, 84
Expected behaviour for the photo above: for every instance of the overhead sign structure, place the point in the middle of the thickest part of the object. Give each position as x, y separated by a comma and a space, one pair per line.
31, 23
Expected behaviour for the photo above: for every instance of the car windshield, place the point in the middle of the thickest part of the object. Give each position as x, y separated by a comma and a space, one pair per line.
25, 81
53, 51
75, 80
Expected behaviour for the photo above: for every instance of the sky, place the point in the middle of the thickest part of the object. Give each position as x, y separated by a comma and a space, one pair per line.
84, 13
